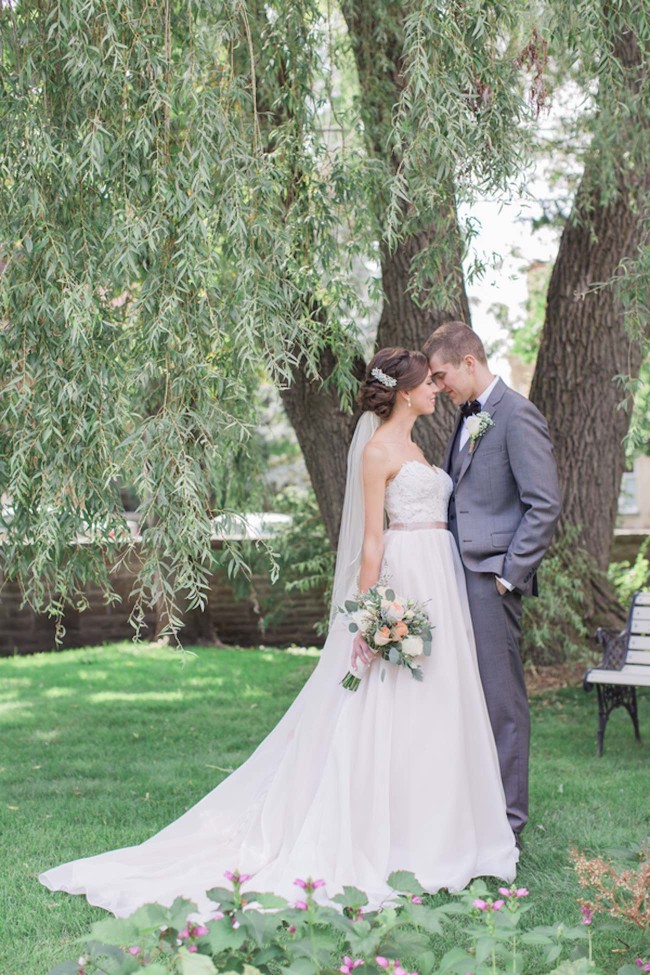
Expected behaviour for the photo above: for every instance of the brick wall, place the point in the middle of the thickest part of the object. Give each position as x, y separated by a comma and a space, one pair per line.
227, 618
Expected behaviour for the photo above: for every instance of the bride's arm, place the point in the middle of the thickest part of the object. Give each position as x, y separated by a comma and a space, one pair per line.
375, 474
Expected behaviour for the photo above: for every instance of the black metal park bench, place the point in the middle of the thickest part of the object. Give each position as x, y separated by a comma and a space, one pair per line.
624, 667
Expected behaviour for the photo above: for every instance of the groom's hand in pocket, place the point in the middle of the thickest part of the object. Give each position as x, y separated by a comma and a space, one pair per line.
501, 589
361, 652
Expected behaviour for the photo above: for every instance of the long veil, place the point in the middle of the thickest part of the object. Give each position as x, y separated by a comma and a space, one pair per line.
348, 553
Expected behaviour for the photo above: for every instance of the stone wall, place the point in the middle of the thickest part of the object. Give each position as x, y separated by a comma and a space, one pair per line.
228, 619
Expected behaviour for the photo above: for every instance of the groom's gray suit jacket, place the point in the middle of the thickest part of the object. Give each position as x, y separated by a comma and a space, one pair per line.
506, 498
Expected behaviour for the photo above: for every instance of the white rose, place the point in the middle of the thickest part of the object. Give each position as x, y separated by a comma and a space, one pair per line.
394, 612
472, 425
363, 619
412, 646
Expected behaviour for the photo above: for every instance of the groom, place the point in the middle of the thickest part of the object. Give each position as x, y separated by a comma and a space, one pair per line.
502, 512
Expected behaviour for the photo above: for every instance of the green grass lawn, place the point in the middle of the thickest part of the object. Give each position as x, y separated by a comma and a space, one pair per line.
100, 748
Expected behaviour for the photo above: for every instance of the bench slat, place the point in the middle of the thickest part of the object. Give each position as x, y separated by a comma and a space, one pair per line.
639, 643
640, 617
641, 657
627, 676
642, 599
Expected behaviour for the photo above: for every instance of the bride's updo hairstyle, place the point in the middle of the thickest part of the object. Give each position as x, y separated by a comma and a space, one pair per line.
406, 367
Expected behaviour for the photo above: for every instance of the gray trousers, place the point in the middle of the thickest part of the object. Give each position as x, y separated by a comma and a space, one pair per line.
497, 628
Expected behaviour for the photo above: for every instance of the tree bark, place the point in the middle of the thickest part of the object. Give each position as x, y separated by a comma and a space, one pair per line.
404, 323
324, 433
314, 409
585, 344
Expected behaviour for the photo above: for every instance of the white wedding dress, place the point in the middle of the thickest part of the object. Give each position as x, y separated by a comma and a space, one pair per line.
348, 786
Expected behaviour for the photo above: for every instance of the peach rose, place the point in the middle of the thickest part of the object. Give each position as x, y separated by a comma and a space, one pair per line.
382, 636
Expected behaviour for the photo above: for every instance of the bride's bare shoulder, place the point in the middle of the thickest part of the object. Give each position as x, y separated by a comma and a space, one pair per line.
378, 457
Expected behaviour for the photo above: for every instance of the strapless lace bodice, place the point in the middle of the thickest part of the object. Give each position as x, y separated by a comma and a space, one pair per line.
418, 493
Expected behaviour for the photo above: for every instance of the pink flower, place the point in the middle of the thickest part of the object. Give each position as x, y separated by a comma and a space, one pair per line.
587, 914
497, 905
348, 965
292, 929
301, 905
399, 970
217, 916
382, 962
480, 904
319, 883
505, 892
300, 883
134, 950
229, 875
199, 931
244, 877
416, 900
192, 948
184, 933
521, 892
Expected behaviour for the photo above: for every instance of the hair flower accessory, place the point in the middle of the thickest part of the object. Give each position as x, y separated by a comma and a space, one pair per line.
383, 378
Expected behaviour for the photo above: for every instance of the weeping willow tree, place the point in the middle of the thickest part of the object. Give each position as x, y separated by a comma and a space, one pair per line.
183, 194
150, 276
171, 227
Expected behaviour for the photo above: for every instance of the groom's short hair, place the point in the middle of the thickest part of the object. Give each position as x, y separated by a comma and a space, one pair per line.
453, 341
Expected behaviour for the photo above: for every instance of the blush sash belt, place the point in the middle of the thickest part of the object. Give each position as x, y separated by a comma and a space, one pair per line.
403, 526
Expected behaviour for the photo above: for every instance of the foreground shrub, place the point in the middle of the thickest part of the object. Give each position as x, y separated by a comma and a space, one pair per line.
261, 934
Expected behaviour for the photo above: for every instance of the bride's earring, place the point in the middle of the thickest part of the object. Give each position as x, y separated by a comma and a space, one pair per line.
408, 400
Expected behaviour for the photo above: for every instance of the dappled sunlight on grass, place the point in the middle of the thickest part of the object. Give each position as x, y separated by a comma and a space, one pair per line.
15, 706
108, 745
103, 696
46, 736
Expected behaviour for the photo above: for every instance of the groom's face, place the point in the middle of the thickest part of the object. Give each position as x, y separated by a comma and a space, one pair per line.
457, 381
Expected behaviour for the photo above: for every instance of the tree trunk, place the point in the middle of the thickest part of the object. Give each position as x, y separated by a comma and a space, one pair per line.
585, 344
324, 433
404, 323
314, 410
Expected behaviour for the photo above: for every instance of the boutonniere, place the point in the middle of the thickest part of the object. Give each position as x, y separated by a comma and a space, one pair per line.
477, 425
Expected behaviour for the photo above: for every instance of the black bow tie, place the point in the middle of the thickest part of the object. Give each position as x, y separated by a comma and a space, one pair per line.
470, 408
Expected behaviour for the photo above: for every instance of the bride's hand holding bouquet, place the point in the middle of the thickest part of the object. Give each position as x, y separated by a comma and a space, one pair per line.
392, 627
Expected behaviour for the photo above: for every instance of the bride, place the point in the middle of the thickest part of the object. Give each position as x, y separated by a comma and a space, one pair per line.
351, 786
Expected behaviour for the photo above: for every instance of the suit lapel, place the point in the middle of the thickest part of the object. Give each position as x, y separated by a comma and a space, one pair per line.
490, 407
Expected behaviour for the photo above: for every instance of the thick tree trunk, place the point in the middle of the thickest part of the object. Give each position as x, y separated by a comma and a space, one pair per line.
313, 407
324, 433
404, 323
585, 345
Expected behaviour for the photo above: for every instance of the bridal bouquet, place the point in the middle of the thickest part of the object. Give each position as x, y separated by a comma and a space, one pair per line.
395, 628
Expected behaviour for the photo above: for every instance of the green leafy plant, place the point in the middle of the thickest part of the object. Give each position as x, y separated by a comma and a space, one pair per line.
627, 577
260, 934
553, 628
